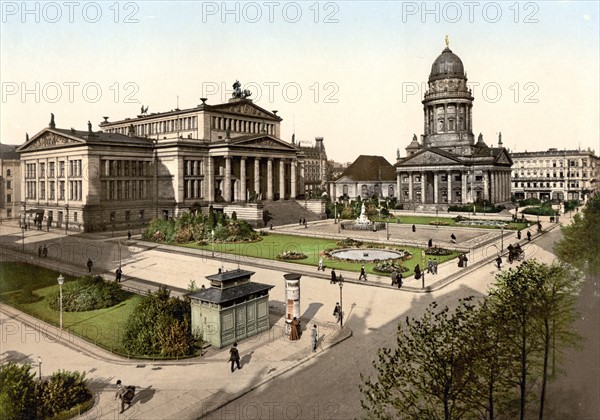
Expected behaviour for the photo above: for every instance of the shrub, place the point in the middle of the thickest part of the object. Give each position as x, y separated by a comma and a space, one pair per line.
291, 255
388, 266
349, 243
87, 294
439, 223
160, 326
63, 391
530, 202
17, 392
437, 251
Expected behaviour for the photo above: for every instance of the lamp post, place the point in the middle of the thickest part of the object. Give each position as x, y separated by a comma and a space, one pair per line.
61, 280
67, 220
212, 233
335, 212
40, 367
341, 283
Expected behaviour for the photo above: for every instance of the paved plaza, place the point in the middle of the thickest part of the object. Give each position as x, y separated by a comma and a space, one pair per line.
195, 387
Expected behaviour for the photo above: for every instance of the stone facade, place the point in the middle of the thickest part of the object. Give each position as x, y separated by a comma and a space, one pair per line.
316, 169
555, 174
447, 167
159, 165
366, 177
10, 182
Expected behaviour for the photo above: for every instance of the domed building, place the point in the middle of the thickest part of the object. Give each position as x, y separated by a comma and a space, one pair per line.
447, 167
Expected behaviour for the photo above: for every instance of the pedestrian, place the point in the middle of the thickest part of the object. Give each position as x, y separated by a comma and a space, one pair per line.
453, 238
414, 228
519, 235
417, 272
430, 243
125, 394
429, 265
321, 268
399, 279
118, 274
363, 274
394, 277
435, 266
40, 250
304, 222
234, 357
300, 222
337, 312
45, 251
499, 262
295, 330
314, 337
529, 236
465, 260
333, 276
129, 235
89, 264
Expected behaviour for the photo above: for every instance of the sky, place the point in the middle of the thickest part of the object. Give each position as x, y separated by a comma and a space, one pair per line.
351, 72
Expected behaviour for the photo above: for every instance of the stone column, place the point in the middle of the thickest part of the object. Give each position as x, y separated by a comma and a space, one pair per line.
242, 193
398, 192
227, 181
210, 179
281, 179
463, 177
435, 187
270, 179
257, 177
293, 192
449, 175
410, 187
445, 118
485, 185
423, 187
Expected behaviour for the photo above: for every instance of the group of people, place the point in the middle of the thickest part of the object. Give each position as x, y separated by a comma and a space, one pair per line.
43, 251
397, 278
432, 266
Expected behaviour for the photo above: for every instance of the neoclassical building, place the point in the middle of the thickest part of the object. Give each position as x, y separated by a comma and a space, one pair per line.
366, 177
227, 155
447, 167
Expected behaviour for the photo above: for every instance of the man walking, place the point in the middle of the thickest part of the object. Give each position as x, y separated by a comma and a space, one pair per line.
337, 312
234, 357
45, 251
528, 236
435, 265
118, 274
453, 238
394, 277
429, 265
129, 235
321, 268
314, 337
499, 262
430, 243
519, 235
89, 264
333, 276
399, 279
363, 274
125, 394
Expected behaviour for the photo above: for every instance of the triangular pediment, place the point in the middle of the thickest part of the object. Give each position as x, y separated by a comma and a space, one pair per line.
429, 157
265, 142
504, 158
47, 140
344, 180
245, 108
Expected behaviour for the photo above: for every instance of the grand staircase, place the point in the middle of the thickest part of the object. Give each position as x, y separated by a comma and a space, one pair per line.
287, 212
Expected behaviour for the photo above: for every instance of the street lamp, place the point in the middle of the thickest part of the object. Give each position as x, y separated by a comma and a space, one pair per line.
212, 232
341, 283
61, 280
335, 212
40, 367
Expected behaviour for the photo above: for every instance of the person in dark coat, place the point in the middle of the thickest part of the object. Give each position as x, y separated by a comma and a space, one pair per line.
414, 228
333, 276
429, 265
129, 235
125, 394
118, 274
453, 238
45, 251
417, 272
435, 266
499, 262
399, 279
363, 274
519, 235
394, 277
529, 236
337, 312
89, 264
465, 260
314, 337
234, 357
40, 250
430, 243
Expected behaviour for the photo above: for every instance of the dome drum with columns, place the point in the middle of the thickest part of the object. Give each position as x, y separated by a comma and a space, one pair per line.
447, 167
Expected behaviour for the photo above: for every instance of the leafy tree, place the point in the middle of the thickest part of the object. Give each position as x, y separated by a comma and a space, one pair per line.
86, 294
17, 392
580, 239
63, 391
429, 374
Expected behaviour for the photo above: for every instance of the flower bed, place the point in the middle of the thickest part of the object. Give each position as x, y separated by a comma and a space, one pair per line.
291, 255
439, 223
349, 243
388, 266
437, 251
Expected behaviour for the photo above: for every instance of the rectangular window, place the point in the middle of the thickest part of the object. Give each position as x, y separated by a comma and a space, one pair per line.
52, 190
126, 163
42, 190
9, 185
61, 190
133, 168
9, 198
127, 215
141, 215
119, 190
51, 167
119, 168
478, 178
74, 216
8, 213
61, 169
134, 189
42, 170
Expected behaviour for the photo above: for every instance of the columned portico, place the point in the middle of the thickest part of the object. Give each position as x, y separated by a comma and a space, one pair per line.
210, 179
227, 181
435, 188
281, 179
293, 192
257, 177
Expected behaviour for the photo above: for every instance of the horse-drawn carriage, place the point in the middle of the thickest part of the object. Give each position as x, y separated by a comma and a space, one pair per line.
515, 253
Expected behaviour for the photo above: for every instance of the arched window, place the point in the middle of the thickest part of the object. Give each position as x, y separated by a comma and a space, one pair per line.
391, 191
364, 191
345, 190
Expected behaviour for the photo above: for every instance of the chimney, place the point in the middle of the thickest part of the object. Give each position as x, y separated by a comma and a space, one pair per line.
319, 143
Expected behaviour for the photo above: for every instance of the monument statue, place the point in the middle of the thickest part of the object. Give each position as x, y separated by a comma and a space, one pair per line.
447, 41
414, 137
238, 93
89, 126
398, 153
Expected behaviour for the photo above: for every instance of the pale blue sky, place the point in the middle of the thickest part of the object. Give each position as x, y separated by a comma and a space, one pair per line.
352, 73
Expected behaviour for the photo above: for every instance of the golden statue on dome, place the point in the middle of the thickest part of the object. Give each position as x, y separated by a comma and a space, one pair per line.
447, 42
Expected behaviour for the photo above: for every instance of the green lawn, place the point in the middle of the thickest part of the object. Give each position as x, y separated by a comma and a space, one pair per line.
273, 244
103, 327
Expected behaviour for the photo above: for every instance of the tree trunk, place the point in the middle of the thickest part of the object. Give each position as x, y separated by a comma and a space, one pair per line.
523, 381
545, 371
